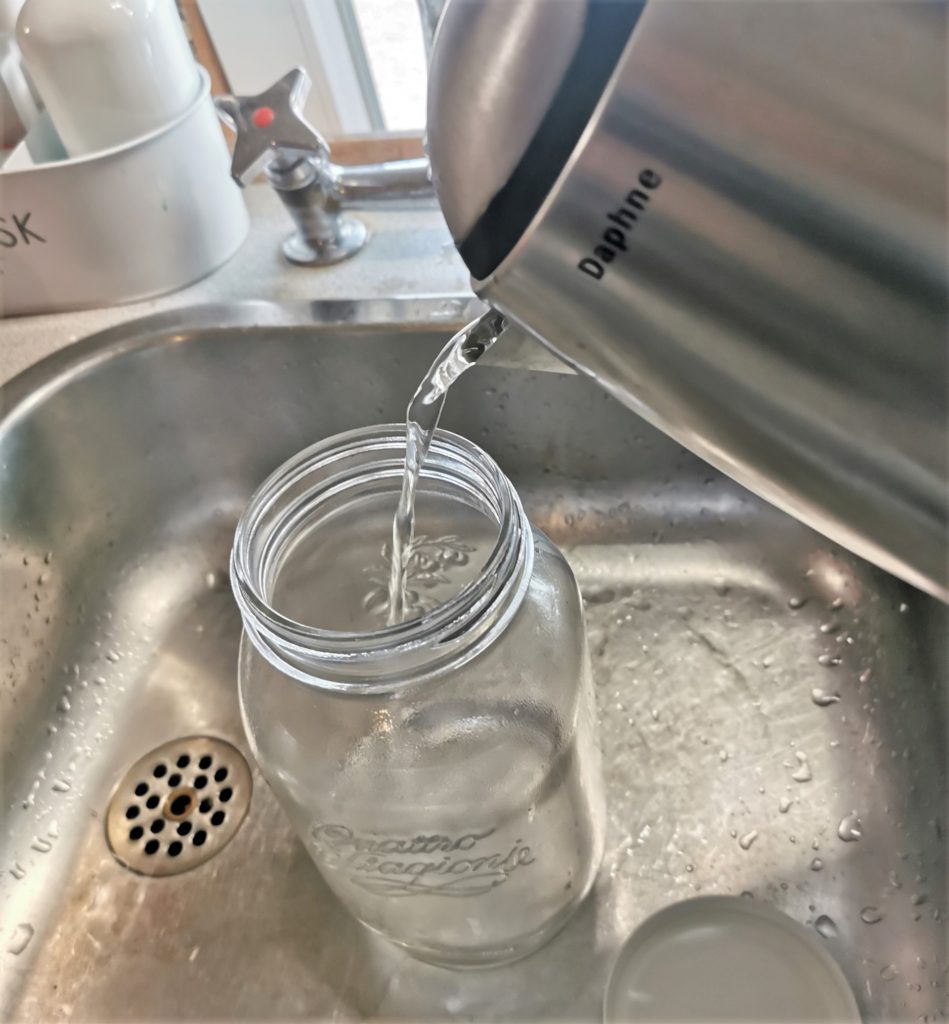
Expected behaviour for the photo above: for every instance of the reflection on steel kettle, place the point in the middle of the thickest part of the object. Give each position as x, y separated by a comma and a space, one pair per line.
732, 215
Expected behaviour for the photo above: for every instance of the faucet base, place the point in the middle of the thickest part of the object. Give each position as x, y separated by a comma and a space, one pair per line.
351, 235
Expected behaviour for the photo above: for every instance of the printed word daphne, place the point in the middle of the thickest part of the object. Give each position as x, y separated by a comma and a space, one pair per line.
434, 865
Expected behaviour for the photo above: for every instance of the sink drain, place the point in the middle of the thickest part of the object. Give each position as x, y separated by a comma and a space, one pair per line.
178, 806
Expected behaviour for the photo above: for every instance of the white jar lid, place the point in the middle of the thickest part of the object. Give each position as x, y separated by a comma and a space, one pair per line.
726, 958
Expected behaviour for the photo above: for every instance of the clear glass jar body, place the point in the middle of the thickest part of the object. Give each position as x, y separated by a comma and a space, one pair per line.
444, 774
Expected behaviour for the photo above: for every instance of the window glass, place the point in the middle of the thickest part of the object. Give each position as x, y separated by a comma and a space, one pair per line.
392, 37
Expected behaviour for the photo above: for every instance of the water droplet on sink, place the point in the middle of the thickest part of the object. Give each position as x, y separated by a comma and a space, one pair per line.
61, 786
829, 660
825, 926
20, 939
723, 756
838, 602
918, 899
822, 698
871, 915
721, 586
113, 656
904, 608
18, 871
99, 680
784, 804
829, 628
63, 704
816, 864
803, 771
796, 602
41, 845
48, 557
889, 972
748, 839
850, 829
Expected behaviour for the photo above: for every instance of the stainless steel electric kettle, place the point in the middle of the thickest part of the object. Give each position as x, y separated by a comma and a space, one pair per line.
732, 215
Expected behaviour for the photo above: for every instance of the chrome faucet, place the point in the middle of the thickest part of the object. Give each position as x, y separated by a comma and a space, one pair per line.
272, 136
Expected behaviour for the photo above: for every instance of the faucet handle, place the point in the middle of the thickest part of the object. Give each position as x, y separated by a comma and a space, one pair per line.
270, 128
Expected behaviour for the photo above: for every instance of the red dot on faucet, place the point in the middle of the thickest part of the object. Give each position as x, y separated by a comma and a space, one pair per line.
262, 117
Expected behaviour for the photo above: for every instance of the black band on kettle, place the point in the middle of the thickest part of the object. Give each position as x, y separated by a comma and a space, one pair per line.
606, 30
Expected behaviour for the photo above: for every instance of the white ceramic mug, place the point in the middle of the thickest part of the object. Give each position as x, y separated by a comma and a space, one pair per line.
107, 72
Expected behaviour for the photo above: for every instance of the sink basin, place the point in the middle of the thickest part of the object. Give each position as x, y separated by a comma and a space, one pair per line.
773, 709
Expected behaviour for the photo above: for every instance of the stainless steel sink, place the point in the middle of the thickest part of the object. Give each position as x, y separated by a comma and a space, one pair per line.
773, 709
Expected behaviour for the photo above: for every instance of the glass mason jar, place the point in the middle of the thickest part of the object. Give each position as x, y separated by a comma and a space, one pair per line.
444, 773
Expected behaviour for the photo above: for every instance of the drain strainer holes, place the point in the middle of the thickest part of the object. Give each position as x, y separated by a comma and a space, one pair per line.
178, 805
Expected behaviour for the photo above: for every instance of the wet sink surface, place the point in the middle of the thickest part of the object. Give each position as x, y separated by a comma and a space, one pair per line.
773, 709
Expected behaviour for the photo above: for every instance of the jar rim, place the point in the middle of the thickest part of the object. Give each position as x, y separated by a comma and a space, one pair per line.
409, 651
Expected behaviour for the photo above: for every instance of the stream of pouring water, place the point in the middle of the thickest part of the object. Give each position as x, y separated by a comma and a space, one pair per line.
421, 419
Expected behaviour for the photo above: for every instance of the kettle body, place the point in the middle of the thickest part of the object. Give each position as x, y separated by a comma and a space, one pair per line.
733, 216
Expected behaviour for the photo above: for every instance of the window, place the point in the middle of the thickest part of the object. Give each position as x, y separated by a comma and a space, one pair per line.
366, 57
391, 35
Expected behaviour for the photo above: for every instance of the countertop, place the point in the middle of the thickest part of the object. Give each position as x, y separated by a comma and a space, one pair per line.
410, 252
